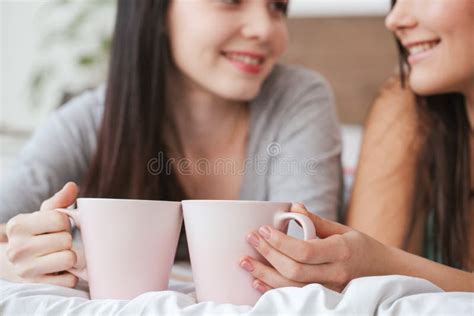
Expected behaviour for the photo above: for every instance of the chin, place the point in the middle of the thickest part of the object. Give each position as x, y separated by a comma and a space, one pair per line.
426, 86
243, 93
241, 97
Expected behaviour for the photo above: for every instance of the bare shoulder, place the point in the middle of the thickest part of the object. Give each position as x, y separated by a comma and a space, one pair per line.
394, 99
385, 177
393, 118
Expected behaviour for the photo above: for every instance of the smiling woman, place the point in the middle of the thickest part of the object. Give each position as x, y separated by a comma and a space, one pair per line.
190, 82
437, 39
235, 65
415, 173
436, 42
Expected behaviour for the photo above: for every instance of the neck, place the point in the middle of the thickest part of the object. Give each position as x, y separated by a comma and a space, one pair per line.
201, 121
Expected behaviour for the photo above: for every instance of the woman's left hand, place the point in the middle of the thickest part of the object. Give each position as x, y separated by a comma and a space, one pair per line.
340, 255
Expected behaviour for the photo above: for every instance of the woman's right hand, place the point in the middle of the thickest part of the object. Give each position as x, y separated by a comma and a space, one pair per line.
40, 243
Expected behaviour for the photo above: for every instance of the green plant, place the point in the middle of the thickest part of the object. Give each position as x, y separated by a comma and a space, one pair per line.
74, 46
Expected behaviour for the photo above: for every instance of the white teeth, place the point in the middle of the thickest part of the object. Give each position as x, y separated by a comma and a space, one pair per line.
245, 59
421, 47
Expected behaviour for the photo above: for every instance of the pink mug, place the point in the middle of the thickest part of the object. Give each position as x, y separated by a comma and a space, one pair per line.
129, 245
216, 231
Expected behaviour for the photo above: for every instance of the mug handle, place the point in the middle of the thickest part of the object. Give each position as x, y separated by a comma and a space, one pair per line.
80, 271
309, 231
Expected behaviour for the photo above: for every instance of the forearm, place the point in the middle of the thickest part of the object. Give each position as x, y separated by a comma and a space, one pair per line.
449, 279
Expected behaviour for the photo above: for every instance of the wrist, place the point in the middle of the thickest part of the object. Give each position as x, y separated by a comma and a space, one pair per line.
387, 260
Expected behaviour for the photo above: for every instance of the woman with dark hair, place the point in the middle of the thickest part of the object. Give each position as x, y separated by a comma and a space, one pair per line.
412, 209
193, 87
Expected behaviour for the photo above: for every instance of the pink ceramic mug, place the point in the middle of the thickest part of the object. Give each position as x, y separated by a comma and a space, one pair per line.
216, 232
129, 245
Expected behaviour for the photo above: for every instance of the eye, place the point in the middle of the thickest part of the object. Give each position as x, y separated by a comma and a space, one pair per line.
279, 6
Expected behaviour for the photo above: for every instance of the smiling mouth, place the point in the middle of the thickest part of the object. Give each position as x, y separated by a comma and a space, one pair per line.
421, 47
247, 59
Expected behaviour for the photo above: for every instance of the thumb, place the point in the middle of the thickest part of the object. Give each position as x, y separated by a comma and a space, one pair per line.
324, 227
62, 199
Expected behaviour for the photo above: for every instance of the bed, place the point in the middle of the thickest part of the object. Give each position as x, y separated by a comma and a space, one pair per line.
384, 295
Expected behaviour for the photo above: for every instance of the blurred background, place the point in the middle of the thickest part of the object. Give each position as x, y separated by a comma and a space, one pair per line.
52, 50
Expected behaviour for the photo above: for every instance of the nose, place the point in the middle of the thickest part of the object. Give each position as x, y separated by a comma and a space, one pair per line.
401, 17
258, 25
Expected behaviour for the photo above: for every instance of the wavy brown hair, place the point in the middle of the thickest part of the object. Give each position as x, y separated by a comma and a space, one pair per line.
443, 177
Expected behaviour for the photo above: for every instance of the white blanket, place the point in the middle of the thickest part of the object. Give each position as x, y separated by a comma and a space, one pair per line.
388, 295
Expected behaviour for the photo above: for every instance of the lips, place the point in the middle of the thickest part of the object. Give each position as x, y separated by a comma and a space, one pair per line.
417, 47
248, 62
420, 49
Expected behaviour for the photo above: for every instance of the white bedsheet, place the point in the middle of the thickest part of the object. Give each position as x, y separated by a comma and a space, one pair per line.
388, 295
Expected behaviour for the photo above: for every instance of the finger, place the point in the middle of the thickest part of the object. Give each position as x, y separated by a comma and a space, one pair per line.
41, 222
268, 275
80, 256
314, 251
62, 199
286, 266
65, 279
46, 244
36, 223
260, 286
334, 287
55, 262
324, 228
20, 249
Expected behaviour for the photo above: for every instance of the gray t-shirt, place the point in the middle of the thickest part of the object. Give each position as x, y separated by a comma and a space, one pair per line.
293, 152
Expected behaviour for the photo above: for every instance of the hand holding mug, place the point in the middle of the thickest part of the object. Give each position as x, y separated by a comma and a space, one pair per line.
340, 255
216, 232
40, 244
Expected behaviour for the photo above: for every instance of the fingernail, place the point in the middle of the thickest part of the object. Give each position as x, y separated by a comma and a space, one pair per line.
247, 265
259, 286
265, 231
253, 239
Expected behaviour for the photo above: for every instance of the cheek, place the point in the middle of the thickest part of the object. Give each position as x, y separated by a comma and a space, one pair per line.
462, 52
280, 40
449, 71
195, 35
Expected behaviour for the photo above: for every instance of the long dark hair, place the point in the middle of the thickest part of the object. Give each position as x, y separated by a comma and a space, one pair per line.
131, 132
443, 178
